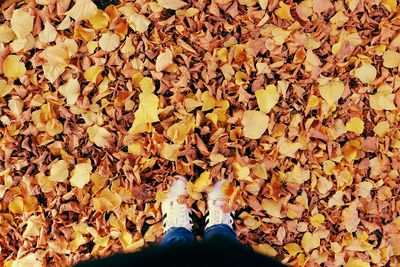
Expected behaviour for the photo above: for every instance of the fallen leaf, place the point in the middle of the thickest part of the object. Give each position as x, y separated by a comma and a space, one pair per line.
109, 41
355, 125
267, 98
99, 135
203, 182
254, 124
171, 4
82, 10
13, 67
21, 23
80, 176
164, 60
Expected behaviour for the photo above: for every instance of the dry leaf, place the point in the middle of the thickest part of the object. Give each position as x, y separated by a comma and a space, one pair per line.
267, 98
99, 135
82, 10
254, 124
164, 60
13, 67
203, 182
80, 176
355, 125
330, 90
21, 23
171, 4
109, 41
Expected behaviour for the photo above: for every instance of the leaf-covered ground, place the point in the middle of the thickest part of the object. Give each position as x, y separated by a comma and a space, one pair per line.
296, 104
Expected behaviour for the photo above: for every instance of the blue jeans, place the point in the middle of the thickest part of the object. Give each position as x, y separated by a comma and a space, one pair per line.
178, 235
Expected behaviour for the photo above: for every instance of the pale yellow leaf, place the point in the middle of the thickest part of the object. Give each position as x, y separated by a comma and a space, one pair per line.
355, 125
267, 98
70, 90
139, 22
21, 23
48, 34
83, 9
171, 4
330, 90
164, 60
366, 73
109, 41
391, 59
99, 135
255, 123
59, 171
310, 241
203, 182
81, 174
350, 219
13, 67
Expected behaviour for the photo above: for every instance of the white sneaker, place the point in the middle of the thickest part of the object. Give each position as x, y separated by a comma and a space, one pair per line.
216, 202
174, 213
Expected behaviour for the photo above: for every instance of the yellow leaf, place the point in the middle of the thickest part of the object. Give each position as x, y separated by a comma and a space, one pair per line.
336, 199
241, 78
70, 90
255, 123
364, 189
81, 174
135, 148
147, 85
21, 23
92, 73
99, 135
355, 125
279, 35
298, 175
293, 249
170, 151
265, 249
330, 90
310, 241
179, 131
48, 34
216, 158
27, 260
241, 172
190, 104
267, 99
208, 101
98, 182
272, 208
128, 49
54, 127
391, 59
109, 41
16, 106
138, 22
201, 183
288, 148
284, 11
390, 5
352, 262
366, 73
6, 34
83, 9
107, 201
59, 171
382, 101
100, 20
328, 167
324, 185
13, 67
171, 4
317, 220
164, 60
350, 218
382, 128
20, 205
352, 4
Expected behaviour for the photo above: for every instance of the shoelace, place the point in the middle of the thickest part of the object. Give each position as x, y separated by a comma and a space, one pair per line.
178, 215
217, 215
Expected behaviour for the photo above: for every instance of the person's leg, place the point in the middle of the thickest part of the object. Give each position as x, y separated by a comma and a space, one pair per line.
177, 222
177, 235
219, 221
220, 230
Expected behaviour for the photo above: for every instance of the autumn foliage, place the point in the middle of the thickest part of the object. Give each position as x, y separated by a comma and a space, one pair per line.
296, 103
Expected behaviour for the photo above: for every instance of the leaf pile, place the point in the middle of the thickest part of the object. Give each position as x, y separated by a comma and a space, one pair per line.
296, 103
